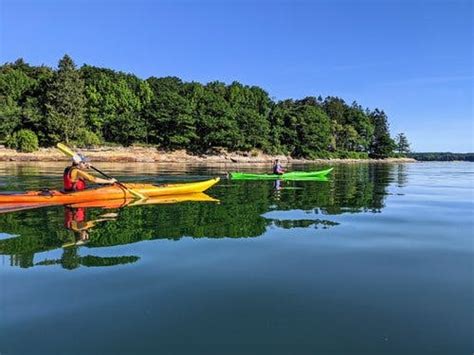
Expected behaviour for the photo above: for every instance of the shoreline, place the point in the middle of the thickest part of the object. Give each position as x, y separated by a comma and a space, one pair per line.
152, 155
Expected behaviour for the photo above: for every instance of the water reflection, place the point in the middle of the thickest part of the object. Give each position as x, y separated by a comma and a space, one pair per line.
75, 220
402, 175
304, 223
71, 260
243, 212
84, 224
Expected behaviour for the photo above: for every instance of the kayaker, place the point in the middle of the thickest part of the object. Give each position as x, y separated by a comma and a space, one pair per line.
277, 168
75, 176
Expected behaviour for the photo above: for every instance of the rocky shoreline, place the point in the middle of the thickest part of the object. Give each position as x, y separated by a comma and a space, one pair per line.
152, 155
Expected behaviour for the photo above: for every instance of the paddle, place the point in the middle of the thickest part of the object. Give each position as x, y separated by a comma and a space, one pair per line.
66, 150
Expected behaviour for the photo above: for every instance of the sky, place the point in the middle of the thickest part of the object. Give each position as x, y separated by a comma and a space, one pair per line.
411, 58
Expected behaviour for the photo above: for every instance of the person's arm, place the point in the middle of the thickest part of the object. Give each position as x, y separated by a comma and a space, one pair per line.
96, 180
104, 181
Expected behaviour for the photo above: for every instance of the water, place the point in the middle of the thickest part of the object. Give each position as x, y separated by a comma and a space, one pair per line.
379, 259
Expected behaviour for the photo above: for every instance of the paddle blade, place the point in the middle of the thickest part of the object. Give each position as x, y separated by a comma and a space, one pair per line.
66, 150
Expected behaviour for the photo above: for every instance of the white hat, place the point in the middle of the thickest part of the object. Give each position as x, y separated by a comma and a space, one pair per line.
77, 159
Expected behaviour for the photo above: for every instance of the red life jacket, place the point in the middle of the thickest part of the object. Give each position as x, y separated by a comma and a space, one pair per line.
77, 215
70, 185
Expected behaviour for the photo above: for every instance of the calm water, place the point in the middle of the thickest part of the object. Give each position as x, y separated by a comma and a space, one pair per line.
379, 259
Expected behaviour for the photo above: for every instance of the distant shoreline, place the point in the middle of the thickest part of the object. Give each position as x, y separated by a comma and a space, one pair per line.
152, 155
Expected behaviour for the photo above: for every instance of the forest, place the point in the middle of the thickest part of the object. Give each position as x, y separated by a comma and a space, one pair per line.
442, 156
91, 106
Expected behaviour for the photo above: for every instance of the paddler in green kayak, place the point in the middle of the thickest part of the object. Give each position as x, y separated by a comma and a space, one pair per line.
75, 176
277, 168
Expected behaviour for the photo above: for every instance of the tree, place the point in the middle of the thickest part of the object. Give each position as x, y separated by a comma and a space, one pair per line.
14, 83
382, 145
65, 102
169, 115
304, 129
216, 125
350, 137
403, 146
336, 109
33, 116
360, 121
250, 107
9, 116
116, 103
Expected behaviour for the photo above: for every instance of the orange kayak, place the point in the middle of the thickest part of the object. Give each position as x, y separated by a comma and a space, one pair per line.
110, 192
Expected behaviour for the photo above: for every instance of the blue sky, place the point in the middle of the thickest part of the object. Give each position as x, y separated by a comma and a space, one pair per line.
412, 59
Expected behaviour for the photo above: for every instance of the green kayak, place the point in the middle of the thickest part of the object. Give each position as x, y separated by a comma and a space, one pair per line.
294, 175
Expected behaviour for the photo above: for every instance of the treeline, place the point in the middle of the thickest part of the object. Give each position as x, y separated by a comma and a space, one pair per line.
90, 106
442, 156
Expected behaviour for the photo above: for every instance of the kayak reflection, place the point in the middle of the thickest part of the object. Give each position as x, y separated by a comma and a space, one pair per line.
75, 215
84, 225
116, 203
78, 226
77, 222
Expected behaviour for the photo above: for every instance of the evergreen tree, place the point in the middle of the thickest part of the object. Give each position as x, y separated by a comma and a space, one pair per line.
403, 146
382, 145
65, 102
